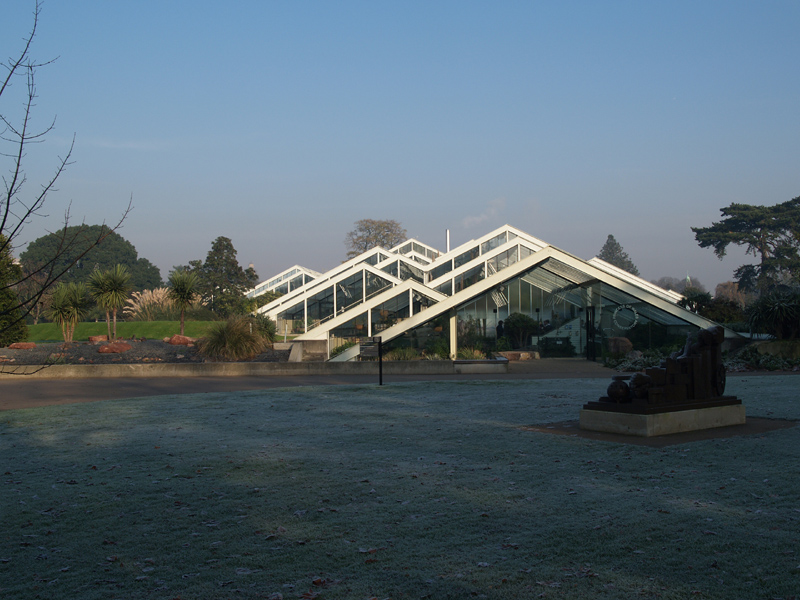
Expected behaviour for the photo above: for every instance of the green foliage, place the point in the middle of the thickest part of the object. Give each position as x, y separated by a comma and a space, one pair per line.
113, 250
371, 233
471, 353
636, 362
776, 314
612, 253
437, 347
68, 304
12, 320
403, 353
265, 298
722, 310
222, 281
503, 344
769, 233
266, 326
237, 338
679, 284
519, 328
695, 300
341, 348
12, 324
183, 286
750, 359
110, 289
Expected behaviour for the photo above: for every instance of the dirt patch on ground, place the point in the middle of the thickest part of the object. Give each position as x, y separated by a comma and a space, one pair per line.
141, 351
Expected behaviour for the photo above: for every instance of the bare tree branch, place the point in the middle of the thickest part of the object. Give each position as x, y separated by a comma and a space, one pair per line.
18, 211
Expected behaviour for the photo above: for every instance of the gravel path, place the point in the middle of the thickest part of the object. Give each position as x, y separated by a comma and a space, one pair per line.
145, 351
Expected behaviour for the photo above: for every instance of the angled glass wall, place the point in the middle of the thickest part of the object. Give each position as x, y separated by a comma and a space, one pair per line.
558, 309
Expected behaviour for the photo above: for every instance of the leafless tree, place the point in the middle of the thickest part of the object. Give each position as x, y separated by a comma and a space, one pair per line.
20, 205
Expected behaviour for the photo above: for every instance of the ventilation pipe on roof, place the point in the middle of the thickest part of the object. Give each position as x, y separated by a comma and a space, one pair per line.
448, 241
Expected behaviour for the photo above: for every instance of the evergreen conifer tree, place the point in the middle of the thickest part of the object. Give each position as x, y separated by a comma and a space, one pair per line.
612, 253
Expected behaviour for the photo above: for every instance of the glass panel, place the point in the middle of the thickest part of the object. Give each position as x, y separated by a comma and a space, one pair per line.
296, 282
375, 284
283, 288
418, 249
471, 277
420, 260
446, 288
391, 268
440, 270
410, 272
320, 307
352, 331
390, 312
406, 249
524, 251
467, 256
502, 261
371, 260
493, 243
421, 302
525, 298
349, 292
291, 320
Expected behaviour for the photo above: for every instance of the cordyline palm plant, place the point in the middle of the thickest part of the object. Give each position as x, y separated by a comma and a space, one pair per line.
68, 305
183, 290
110, 290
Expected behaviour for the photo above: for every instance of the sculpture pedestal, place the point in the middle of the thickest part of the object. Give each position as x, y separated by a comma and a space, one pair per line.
662, 423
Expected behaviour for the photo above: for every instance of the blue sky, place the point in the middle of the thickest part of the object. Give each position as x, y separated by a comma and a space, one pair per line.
279, 124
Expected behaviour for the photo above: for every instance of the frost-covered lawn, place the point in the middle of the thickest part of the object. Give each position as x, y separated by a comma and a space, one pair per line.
428, 490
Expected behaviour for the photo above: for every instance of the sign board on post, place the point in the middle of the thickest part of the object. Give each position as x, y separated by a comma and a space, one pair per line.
373, 348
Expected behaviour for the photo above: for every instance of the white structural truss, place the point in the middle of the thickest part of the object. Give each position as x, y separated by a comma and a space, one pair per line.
413, 294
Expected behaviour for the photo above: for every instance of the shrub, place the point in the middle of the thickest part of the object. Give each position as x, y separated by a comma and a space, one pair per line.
777, 314
750, 359
471, 354
339, 349
238, 338
437, 348
267, 327
519, 328
402, 354
503, 344
631, 363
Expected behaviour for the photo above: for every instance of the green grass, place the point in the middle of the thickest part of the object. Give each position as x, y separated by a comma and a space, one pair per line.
427, 490
50, 332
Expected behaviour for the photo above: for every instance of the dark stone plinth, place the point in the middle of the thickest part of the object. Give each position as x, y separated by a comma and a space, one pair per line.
635, 408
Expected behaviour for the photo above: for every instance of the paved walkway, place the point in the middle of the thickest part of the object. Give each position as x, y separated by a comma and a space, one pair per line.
27, 393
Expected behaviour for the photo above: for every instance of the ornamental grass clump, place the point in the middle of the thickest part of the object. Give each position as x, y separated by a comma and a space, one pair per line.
405, 353
471, 354
238, 338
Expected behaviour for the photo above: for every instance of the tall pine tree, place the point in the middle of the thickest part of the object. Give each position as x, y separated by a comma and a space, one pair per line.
612, 253
222, 281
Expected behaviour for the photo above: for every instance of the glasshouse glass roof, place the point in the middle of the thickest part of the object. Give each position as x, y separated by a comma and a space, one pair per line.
415, 295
